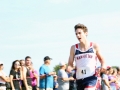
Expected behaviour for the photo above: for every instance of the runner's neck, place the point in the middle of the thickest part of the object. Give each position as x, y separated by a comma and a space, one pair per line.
84, 45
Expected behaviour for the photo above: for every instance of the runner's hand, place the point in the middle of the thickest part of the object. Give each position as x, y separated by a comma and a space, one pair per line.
109, 88
69, 69
102, 69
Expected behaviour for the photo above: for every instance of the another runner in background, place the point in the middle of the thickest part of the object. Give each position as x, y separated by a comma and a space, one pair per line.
85, 54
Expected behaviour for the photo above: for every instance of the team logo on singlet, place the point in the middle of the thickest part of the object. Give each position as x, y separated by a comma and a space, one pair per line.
84, 56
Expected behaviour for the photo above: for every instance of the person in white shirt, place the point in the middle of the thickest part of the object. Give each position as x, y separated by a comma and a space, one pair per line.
3, 78
63, 79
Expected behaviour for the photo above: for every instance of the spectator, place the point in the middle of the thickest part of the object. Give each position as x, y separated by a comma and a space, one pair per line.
34, 77
55, 87
111, 79
22, 62
15, 75
115, 77
118, 75
46, 75
63, 79
98, 86
27, 85
3, 78
72, 83
105, 82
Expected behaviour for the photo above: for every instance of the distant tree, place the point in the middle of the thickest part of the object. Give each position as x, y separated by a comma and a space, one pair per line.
56, 68
115, 67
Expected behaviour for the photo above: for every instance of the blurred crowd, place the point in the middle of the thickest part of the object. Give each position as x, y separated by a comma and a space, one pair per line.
23, 76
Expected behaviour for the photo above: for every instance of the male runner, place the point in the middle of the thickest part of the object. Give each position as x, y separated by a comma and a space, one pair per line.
85, 54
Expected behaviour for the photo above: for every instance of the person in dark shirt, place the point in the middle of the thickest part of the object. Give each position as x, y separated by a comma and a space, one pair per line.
27, 85
15, 75
72, 83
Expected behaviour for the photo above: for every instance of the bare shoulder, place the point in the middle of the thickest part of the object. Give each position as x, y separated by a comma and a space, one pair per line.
24, 68
72, 49
96, 46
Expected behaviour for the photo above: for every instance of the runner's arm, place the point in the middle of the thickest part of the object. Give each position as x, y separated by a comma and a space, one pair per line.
71, 58
100, 57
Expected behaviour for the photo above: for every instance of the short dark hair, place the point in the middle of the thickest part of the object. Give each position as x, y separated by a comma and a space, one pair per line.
27, 57
81, 26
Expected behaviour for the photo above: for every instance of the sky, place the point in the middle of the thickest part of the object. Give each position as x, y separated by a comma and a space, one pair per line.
40, 28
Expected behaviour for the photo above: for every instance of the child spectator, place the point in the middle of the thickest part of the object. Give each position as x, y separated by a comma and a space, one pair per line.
105, 82
111, 79
55, 87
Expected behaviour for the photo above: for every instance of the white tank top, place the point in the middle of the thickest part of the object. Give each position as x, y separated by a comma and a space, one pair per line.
85, 62
2, 74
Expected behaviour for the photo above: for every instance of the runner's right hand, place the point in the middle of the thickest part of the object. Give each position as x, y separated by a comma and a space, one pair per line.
69, 69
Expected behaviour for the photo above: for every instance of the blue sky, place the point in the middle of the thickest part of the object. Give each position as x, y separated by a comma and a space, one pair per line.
46, 27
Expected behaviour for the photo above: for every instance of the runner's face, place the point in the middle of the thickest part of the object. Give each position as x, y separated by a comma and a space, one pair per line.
80, 34
28, 61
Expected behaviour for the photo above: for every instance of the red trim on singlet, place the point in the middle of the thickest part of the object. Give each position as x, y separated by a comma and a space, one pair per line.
91, 44
76, 46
